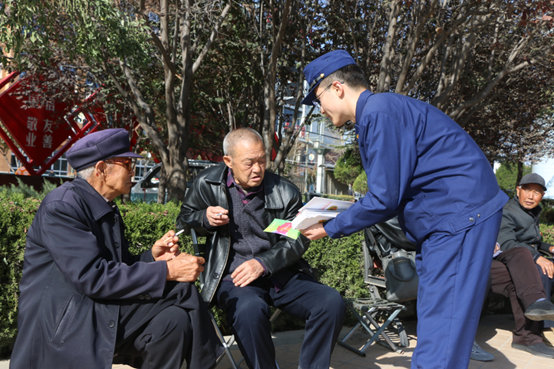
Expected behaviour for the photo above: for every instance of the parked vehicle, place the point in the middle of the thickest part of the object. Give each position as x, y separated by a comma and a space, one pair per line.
147, 188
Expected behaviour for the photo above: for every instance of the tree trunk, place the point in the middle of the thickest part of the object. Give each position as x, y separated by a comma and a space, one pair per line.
519, 173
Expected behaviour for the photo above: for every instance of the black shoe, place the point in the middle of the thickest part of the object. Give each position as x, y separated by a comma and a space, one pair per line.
538, 349
540, 310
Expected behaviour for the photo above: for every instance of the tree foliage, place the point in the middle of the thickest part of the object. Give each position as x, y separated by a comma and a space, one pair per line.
145, 52
460, 56
508, 176
349, 165
191, 71
360, 184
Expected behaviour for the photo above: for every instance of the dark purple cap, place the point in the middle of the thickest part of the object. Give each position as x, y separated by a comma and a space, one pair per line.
98, 146
323, 66
533, 178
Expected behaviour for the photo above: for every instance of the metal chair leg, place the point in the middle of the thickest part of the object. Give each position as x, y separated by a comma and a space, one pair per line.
226, 345
368, 307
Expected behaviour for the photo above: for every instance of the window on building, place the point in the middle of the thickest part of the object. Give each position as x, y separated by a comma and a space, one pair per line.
59, 168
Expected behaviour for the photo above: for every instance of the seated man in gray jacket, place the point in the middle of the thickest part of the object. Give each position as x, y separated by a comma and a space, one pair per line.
520, 228
248, 270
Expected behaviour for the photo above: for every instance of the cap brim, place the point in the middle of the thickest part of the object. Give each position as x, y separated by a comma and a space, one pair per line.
309, 100
129, 154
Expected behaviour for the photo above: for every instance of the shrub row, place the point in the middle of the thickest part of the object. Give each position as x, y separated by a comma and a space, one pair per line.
338, 262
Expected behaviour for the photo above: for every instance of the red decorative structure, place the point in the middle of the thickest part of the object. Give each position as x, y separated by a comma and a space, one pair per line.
38, 131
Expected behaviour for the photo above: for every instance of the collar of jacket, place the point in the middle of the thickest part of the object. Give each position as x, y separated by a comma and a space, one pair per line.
97, 204
272, 200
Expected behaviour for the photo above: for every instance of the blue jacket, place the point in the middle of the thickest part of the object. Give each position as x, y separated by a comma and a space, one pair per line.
421, 166
77, 270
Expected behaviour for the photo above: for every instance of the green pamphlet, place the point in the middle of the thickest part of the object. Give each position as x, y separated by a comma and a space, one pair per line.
283, 227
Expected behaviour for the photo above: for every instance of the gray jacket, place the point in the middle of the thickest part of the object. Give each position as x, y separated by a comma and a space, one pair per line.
282, 201
520, 228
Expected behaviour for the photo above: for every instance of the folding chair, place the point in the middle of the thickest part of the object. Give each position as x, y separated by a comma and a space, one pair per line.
368, 311
199, 250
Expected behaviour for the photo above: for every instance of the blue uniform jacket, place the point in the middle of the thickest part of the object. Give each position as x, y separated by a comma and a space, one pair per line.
421, 166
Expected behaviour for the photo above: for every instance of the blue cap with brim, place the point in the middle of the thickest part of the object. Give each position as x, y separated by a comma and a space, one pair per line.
322, 67
97, 146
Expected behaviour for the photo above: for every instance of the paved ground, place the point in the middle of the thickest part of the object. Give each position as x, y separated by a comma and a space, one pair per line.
494, 335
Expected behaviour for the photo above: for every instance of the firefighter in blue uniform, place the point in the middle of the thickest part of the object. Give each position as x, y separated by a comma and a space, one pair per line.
426, 169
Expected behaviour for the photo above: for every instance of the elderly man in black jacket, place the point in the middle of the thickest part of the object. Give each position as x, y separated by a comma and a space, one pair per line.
520, 228
248, 270
85, 301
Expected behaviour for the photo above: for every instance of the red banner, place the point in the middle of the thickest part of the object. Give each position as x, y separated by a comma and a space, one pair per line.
38, 130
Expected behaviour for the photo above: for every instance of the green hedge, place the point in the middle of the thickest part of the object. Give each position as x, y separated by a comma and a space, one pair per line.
17, 215
339, 197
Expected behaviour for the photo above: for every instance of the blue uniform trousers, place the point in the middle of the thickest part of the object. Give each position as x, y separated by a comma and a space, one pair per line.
453, 273
248, 312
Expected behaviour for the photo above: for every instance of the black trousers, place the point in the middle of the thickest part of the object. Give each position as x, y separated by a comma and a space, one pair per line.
515, 276
248, 312
164, 343
164, 333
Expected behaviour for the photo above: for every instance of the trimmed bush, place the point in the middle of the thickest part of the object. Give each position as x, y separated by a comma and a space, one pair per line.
17, 214
146, 223
339, 197
339, 264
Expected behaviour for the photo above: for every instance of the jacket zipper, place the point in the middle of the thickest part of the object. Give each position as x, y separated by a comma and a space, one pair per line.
222, 188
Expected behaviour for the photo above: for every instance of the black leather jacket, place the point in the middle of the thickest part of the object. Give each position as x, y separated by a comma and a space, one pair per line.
282, 201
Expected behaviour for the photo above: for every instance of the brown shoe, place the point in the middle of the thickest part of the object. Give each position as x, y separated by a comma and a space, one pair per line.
548, 336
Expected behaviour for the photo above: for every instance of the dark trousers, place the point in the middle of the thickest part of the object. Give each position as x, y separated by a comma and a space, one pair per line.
164, 333
513, 275
453, 274
248, 312
547, 284
165, 341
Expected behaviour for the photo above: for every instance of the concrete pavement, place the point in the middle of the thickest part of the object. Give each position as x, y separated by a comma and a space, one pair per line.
494, 335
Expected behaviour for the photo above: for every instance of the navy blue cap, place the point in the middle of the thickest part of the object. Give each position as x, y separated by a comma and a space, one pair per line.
533, 178
98, 146
323, 66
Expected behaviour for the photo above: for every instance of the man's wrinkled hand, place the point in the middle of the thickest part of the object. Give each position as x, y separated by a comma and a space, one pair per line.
217, 216
314, 232
247, 273
184, 268
546, 265
166, 248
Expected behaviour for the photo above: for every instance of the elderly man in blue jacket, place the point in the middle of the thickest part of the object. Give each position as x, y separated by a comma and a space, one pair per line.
85, 301
426, 169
